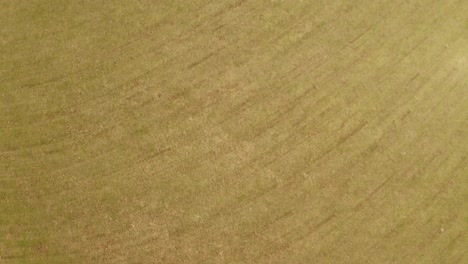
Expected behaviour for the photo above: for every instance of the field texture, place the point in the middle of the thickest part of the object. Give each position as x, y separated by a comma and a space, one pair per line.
234, 131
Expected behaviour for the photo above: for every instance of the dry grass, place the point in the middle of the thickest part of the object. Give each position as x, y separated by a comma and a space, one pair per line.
233, 131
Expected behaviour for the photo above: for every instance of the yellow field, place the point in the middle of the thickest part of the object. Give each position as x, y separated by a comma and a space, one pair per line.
234, 131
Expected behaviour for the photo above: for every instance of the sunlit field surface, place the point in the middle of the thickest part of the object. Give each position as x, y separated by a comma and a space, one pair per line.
234, 131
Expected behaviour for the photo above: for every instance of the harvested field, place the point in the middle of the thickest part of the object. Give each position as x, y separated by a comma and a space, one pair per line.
234, 131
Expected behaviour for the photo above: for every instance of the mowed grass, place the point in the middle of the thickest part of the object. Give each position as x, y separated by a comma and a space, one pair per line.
233, 131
